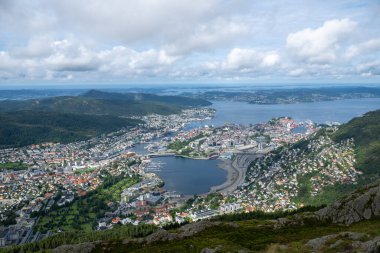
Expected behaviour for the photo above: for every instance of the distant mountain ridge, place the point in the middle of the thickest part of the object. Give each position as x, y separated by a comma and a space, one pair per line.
146, 97
70, 118
290, 96
23, 128
106, 103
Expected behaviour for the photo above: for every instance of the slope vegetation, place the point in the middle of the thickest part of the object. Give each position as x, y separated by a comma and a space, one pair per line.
100, 103
366, 132
71, 118
322, 168
22, 128
318, 231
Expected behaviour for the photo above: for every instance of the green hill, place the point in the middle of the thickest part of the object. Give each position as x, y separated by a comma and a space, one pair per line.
323, 167
98, 102
144, 97
22, 128
84, 105
71, 118
366, 132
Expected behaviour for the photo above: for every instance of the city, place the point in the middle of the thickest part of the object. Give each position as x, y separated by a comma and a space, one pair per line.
49, 177
189, 126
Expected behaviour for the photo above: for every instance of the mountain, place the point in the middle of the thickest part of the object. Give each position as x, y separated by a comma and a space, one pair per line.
144, 97
291, 95
99, 102
23, 128
84, 105
321, 168
323, 230
366, 133
71, 118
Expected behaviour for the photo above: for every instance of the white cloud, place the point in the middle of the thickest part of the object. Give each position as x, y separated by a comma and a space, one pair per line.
130, 20
245, 59
297, 72
370, 46
70, 56
270, 59
121, 60
150, 58
37, 46
207, 37
63, 58
320, 45
95, 40
371, 68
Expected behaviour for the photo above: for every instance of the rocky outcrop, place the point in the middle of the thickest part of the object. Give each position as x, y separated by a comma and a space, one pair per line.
160, 235
345, 242
295, 220
77, 248
363, 204
184, 231
210, 250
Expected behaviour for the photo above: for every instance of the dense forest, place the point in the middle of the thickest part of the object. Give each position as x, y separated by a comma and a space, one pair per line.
105, 103
66, 119
23, 128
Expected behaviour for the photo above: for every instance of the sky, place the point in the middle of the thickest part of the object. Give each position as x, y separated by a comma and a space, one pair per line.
189, 41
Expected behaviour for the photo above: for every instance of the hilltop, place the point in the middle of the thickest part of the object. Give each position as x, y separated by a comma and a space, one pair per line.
72, 118
103, 103
145, 97
23, 128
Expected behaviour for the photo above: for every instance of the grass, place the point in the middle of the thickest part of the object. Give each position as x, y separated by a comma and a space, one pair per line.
13, 166
251, 235
73, 237
85, 170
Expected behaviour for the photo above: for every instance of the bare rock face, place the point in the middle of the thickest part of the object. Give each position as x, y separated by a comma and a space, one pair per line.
210, 250
184, 231
345, 242
160, 235
295, 220
360, 205
372, 246
75, 248
196, 227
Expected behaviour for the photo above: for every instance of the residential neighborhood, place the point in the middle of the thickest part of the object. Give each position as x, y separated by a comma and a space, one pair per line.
49, 178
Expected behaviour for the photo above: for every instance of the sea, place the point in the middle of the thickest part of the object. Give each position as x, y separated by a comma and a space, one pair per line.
189, 177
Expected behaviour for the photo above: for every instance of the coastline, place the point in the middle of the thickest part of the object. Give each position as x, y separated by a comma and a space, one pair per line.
235, 174
235, 177
236, 169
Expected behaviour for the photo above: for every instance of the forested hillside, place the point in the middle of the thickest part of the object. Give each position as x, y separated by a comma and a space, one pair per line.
71, 118
22, 128
366, 132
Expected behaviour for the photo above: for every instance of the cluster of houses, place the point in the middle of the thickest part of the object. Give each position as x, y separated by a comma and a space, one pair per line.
223, 141
57, 173
273, 182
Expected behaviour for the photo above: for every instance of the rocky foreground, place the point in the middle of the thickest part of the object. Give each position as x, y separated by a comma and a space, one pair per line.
363, 204
357, 207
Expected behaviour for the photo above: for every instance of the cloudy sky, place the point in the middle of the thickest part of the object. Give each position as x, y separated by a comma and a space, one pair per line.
190, 41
